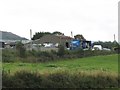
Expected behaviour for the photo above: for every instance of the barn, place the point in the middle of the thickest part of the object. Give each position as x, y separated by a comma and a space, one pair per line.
54, 39
51, 41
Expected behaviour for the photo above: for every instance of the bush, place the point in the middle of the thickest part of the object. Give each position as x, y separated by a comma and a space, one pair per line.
21, 50
61, 51
31, 53
42, 56
61, 80
24, 79
8, 55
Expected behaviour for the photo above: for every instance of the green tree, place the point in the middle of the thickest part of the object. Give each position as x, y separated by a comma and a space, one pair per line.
38, 35
57, 33
115, 44
107, 44
79, 36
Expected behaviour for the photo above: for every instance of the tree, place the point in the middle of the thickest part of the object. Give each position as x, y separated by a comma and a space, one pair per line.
107, 44
38, 35
57, 33
80, 37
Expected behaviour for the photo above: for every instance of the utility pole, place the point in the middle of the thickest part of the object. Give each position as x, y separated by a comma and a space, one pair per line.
72, 40
30, 39
71, 34
31, 34
114, 37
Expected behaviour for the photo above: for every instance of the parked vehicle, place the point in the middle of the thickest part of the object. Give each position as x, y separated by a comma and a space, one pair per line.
97, 47
48, 44
106, 49
76, 44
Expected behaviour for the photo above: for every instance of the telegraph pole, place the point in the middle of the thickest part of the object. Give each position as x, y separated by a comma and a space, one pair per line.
72, 37
30, 39
71, 34
114, 37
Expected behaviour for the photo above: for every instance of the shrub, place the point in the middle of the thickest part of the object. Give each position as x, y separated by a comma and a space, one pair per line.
21, 50
24, 79
32, 53
8, 55
61, 51
42, 56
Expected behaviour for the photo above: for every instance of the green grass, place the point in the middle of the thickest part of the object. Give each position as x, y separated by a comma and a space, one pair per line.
90, 64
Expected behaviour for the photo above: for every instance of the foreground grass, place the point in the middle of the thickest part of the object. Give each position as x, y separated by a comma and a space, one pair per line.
94, 64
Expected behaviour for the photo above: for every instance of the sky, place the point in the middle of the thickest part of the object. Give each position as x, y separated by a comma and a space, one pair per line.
96, 20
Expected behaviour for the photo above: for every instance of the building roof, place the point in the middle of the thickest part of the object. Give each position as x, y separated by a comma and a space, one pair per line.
64, 37
52, 39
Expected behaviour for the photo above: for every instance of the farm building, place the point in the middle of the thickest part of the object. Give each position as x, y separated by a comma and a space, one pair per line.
51, 41
54, 39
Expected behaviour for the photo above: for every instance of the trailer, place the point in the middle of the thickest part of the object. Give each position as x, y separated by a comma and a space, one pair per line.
77, 44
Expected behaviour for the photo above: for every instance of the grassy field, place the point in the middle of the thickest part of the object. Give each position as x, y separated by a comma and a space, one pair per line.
90, 64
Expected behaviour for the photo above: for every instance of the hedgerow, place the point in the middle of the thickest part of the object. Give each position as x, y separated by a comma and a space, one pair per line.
25, 79
42, 56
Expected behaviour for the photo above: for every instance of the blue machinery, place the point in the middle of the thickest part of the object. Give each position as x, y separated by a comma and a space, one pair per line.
76, 44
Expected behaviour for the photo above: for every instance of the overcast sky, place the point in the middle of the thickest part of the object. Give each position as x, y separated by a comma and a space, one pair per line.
94, 19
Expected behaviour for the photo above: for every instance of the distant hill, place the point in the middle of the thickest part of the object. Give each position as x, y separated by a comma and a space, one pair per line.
10, 36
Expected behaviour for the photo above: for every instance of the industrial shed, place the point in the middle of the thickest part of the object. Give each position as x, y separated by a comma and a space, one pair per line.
51, 39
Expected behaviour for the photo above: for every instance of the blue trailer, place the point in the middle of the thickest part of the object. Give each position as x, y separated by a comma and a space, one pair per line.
76, 44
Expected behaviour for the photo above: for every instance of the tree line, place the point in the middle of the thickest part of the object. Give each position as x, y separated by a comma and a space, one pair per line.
41, 34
